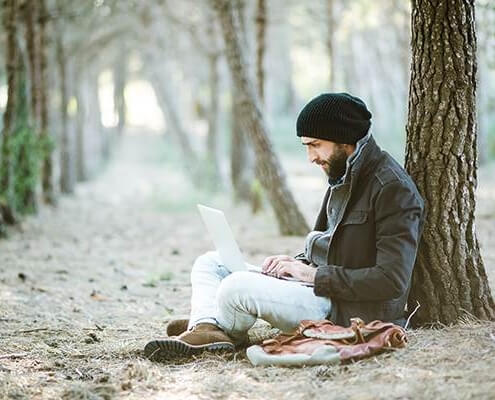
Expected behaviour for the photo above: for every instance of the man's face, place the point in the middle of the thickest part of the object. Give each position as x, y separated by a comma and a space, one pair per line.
331, 156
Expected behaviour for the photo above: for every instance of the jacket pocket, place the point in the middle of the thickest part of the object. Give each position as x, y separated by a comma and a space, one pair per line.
355, 217
357, 226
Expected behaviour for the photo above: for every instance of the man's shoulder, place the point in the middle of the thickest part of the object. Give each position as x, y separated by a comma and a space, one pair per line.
391, 177
389, 170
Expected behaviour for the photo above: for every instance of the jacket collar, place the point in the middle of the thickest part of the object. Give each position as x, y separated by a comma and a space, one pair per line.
360, 162
352, 160
363, 160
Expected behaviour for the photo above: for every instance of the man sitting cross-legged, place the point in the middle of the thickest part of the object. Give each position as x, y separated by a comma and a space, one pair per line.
359, 256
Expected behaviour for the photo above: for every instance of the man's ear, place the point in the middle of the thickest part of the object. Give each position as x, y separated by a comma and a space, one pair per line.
349, 148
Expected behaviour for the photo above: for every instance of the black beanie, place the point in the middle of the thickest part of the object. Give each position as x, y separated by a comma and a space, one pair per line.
338, 117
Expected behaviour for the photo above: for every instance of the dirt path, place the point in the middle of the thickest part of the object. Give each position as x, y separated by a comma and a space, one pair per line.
84, 286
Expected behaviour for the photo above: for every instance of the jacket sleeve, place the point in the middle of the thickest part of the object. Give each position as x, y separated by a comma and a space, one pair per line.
398, 214
301, 257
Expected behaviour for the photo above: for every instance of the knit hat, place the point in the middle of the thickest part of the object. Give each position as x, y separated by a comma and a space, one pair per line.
337, 117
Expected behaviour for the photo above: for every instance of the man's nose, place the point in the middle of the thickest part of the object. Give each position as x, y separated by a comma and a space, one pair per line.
311, 156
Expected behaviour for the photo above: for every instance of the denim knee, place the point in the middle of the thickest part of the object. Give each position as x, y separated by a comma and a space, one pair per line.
206, 262
232, 289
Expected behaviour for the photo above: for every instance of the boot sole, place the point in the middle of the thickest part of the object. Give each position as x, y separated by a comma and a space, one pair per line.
167, 349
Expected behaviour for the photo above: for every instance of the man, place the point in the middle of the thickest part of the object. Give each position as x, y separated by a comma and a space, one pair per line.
359, 257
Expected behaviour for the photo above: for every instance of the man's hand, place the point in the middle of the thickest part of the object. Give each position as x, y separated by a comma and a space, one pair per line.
283, 265
272, 261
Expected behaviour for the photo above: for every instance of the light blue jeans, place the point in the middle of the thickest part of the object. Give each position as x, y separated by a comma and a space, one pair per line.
233, 301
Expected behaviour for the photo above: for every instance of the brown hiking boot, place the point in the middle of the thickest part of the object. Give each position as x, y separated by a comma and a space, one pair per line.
177, 326
203, 337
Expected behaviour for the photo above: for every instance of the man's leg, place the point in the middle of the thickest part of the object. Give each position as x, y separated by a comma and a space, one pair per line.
206, 276
245, 296
203, 332
231, 302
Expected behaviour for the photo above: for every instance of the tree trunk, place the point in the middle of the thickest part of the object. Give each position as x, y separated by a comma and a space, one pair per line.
12, 56
80, 128
260, 47
241, 157
30, 16
94, 110
449, 278
120, 79
26, 165
269, 170
46, 138
66, 173
241, 154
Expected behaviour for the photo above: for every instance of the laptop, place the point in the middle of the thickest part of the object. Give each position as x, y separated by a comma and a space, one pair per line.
224, 240
225, 243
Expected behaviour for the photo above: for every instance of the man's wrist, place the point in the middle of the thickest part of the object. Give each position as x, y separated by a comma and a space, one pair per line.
309, 275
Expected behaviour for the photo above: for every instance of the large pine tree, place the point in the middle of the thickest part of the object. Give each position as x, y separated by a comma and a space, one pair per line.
441, 156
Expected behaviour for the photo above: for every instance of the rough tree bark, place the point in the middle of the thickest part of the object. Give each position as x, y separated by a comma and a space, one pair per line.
269, 170
7, 195
449, 278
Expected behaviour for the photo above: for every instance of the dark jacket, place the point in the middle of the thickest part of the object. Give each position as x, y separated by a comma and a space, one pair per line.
366, 237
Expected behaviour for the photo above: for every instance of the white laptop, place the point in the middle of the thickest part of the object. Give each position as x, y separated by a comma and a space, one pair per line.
225, 243
224, 240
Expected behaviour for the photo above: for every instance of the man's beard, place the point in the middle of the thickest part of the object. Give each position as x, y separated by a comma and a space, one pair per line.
336, 164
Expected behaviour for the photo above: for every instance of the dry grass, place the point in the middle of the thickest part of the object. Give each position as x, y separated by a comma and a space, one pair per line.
74, 325
446, 363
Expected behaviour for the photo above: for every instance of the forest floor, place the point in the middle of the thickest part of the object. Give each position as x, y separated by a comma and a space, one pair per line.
84, 286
